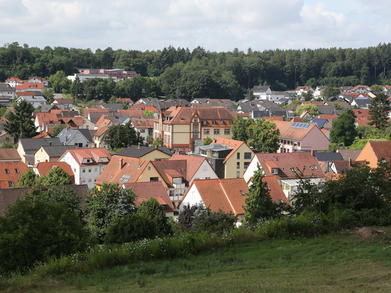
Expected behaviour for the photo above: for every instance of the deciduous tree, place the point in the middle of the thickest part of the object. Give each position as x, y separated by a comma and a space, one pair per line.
121, 136
344, 130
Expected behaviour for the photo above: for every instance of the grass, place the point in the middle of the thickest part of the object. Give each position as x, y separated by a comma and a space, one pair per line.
337, 262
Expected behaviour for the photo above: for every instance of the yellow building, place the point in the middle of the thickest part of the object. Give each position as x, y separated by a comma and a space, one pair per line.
184, 128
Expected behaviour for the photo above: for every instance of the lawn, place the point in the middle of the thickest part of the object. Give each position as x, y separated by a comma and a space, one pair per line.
341, 262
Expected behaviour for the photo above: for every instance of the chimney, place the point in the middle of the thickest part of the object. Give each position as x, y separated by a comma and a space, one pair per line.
312, 153
350, 162
121, 163
50, 143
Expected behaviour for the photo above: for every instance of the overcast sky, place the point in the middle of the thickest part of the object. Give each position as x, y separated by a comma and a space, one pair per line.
215, 25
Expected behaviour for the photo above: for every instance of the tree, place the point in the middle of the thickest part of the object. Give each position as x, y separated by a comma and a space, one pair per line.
56, 176
158, 142
258, 203
207, 141
239, 128
121, 136
28, 179
103, 206
155, 211
33, 230
310, 108
344, 130
57, 129
378, 111
213, 222
7, 145
49, 94
147, 113
264, 136
20, 124
149, 139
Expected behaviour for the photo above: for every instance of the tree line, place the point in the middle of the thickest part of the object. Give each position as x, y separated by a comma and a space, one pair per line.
181, 73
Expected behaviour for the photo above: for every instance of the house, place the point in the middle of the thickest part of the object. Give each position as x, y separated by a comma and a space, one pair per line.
228, 157
300, 90
99, 137
29, 86
84, 77
10, 172
147, 190
5, 137
362, 117
13, 81
261, 92
51, 153
144, 126
42, 169
362, 102
375, 151
326, 159
146, 153
360, 89
28, 146
285, 167
65, 103
185, 128
87, 164
37, 99
7, 91
218, 194
36, 79
123, 169
79, 137
301, 136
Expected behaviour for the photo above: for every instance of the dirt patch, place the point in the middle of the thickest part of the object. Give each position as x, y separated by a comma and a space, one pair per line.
368, 233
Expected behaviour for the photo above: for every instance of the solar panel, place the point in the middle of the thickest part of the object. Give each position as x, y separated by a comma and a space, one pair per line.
300, 125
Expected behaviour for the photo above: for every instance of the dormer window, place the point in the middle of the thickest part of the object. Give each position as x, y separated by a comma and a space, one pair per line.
311, 167
213, 122
195, 119
316, 168
293, 169
204, 122
221, 122
275, 171
242, 192
230, 122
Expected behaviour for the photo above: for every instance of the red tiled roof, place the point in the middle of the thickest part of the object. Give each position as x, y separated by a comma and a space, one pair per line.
43, 134
193, 164
10, 154
44, 167
170, 169
235, 144
142, 123
276, 192
300, 161
10, 172
86, 111
381, 149
183, 115
132, 113
29, 86
295, 133
147, 190
89, 153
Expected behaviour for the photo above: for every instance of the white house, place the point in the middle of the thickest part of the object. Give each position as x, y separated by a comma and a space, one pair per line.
7, 91
37, 100
86, 164
262, 92
79, 137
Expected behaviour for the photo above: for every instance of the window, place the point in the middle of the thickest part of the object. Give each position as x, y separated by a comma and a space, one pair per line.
89, 170
293, 169
195, 119
230, 122
204, 122
10, 183
206, 131
213, 122
221, 122
16, 170
154, 179
7, 171
237, 174
237, 165
246, 164
216, 131
84, 170
238, 156
227, 131
311, 167
242, 192
316, 168
247, 156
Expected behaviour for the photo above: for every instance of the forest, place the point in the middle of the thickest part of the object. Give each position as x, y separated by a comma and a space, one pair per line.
182, 73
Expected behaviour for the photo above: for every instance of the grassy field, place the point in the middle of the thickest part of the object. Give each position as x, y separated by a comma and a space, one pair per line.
345, 262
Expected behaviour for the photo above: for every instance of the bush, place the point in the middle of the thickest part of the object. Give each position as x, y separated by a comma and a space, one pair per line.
214, 222
131, 228
33, 230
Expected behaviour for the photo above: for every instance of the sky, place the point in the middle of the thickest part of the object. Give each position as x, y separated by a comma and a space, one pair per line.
215, 25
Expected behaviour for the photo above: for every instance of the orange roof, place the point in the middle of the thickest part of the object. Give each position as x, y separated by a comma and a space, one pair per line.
183, 115
122, 169
122, 100
102, 122
132, 113
225, 194
193, 164
381, 149
170, 169
289, 164
100, 131
142, 123
275, 118
328, 117
93, 154
290, 132
44, 117
14, 79
43, 134
29, 86
10, 172
147, 190
44, 167
358, 86
297, 119
10, 154
276, 192
143, 108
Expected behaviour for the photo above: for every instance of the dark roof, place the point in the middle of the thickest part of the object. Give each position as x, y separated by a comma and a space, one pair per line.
57, 151
68, 134
30, 145
319, 121
135, 151
328, 157
349, 154
326, 110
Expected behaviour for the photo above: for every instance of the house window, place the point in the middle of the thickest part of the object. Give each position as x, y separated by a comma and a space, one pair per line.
213, 122
237, 165
230, 122
316, 168
221, 122
206, 131
237, 174
10, 183
238, 156
154, 179
89, 170
246, 164
247, 156
149, 168
311, 167
84, 170
216, 131
16, 170
204, 122
227, 131
7, 171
